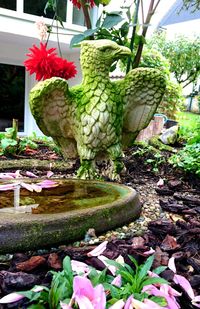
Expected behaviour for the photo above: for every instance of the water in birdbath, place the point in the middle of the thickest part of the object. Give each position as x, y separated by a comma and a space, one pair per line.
64, 196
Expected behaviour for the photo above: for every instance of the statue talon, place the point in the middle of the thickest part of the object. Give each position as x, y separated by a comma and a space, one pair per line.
87, 170
118, 166
98, 115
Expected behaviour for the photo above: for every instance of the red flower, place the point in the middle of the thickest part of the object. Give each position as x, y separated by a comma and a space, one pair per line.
45, 63
77, 3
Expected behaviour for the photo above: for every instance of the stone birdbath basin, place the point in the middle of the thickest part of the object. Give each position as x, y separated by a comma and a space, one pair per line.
63, 213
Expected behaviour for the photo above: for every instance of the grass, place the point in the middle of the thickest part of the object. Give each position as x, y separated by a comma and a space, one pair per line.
188, 120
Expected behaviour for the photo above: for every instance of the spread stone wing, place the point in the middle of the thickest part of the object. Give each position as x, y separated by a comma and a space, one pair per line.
53, 107
142, 90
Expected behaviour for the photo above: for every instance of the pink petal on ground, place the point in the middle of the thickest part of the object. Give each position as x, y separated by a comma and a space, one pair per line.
98, 250
104, 259
151, 304
17, 174
149, 252
128, 302
26, 186
118, 305
196, 300
38, 288
49, 174
184, 283
160, 183
11, 298
6, 187
32, 175
79, 267
36, 188
171, 264
117, 281
45, 184
6, 176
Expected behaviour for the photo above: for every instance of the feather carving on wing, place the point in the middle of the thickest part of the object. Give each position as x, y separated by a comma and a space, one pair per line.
52, 106
142, 90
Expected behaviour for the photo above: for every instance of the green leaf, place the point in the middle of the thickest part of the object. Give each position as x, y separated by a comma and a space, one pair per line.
133, 260
159, 300
89, 32
36, 306
76, 40
98, 23
67, 265
159, 269
153, 280
126, 276
146, 267
6, 142
111, 20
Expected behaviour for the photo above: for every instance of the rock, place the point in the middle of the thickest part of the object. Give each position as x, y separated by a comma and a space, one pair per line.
54, 261
164, 191
174, 184
10, 281
31, 264
169, 137
169, 243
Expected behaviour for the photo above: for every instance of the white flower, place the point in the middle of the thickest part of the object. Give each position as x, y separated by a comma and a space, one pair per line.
41, 28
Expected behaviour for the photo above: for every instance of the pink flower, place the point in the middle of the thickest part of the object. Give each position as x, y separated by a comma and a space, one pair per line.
137, 304
87, 296
41, 28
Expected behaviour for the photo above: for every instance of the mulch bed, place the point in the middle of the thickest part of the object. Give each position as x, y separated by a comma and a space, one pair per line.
179, 236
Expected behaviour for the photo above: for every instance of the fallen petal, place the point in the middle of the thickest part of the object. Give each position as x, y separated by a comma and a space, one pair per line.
6, 176
171, 264
45, 184
6, 187
110, 267
160, 183
49, 174
184, 283
117, 281
11, 298
149, 252
36, 188
98, 250
26, 186
32, 175
79, 267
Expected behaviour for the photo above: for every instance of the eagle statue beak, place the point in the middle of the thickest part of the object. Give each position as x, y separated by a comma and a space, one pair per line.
124, 51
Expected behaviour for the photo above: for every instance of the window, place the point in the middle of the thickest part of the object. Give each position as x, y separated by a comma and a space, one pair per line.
78, 18
36, 7
12, 89
8, 4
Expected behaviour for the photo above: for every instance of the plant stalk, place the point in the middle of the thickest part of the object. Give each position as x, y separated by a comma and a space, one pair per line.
135, 20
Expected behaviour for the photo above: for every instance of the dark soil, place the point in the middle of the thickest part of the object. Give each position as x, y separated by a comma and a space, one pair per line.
179, 236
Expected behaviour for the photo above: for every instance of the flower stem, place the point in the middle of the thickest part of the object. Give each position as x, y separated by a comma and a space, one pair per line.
86, 14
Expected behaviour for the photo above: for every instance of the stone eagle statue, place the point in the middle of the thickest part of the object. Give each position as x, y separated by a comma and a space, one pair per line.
98, 116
